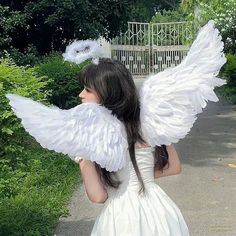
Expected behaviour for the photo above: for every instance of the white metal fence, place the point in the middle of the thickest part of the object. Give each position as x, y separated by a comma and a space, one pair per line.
146, 48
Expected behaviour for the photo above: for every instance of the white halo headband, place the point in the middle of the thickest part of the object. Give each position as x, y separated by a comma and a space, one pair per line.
81, 50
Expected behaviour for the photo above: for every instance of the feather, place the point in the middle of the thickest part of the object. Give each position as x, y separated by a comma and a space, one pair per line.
171, 99
79, 51
87, 131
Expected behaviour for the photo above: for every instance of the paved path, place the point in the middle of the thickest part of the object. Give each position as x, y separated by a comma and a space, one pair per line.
205, 191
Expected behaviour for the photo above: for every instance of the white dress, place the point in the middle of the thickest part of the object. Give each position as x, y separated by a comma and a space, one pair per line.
126, 213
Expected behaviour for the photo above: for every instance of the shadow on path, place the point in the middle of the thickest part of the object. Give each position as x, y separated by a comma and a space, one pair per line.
213, 136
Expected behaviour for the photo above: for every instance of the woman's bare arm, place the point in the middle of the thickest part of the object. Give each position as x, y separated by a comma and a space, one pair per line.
174, 164
93, 185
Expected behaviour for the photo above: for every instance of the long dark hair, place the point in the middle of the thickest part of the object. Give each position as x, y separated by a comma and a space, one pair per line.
116, 90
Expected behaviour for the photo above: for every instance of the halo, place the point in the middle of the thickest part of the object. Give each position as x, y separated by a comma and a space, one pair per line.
81, 50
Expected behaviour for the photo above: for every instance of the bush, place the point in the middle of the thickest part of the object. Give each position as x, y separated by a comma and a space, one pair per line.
22, 81
34, 196
169, 16
230, 70
63, 80
30, 57
228, 92
223, 14
35, 183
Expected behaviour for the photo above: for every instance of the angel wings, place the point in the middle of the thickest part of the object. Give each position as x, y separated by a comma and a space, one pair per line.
170, 101
87, 130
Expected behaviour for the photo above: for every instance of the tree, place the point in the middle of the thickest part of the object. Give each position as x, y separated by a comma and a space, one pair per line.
144, 10
50, 25
221, 11
10, 21
187, 4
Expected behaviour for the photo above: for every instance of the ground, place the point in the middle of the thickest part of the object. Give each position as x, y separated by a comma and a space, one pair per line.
205, 191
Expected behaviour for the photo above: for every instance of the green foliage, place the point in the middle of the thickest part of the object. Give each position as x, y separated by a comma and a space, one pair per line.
185, 35
143, 11
167, 16
11, 179
223, 14
229, 73
230, 69
62, 80
187, 4
32, 28
29, 57
22, 81
34, 196
10, 22
51, 25
34, 183
228, 92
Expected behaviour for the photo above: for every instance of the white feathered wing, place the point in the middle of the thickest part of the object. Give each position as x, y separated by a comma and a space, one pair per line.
171, 99
88, 131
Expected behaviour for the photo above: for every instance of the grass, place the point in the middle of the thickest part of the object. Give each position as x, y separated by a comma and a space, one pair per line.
39, 196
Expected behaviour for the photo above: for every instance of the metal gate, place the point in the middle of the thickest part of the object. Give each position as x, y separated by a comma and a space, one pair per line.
149, 48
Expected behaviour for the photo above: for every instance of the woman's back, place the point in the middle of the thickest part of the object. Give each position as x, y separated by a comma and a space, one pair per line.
128, 213
128, 176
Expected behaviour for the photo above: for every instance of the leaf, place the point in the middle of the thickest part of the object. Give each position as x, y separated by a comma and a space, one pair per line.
7, 114
7, 130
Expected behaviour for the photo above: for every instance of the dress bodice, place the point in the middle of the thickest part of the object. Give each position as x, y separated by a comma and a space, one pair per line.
127, 175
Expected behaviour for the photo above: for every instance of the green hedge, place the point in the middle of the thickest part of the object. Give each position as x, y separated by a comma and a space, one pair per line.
229, 73
62, 80
34, 195
230, 70
22, 81
35, 183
